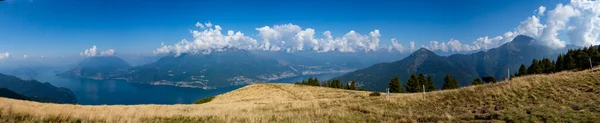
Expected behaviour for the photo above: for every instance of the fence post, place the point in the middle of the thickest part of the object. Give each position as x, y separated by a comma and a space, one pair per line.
387, 95
424, 92
591, 67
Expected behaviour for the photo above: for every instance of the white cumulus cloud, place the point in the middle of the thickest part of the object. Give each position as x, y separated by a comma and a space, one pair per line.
94, 52
285, 37
579, 20
208, 40
396, 46
557, 21
585, 29
541, 10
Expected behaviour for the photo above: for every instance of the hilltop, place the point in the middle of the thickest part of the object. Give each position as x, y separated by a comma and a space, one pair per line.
559, 97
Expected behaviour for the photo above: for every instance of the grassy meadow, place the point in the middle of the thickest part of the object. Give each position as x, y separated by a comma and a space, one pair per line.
559, 97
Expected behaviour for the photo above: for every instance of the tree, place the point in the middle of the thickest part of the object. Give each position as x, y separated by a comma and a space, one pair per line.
315, 82
569, 61
594, 55
582, 59
334, 83
429, 84
546, 66
413, 84
347, 86
477, 81
353, 85
522, 70
304, 82
395, 85
449, 83
338, 84
559, 63
535, 68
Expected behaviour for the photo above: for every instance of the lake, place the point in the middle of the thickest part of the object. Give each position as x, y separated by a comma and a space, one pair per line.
112, 92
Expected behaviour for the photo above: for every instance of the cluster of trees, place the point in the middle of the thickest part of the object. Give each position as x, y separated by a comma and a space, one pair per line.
335, 83
577, 59
416, 83
483, 80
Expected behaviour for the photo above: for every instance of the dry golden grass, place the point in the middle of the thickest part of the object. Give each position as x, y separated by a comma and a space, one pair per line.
560, 97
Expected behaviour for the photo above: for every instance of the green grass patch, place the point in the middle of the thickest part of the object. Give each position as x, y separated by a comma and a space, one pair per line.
204, 100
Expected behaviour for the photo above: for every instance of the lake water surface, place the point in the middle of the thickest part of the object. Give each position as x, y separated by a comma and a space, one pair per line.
111, 92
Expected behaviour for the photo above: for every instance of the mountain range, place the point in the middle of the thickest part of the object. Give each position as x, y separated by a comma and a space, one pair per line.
34, 90
98, 67
240, 67
494, 62
230, 67
217, 69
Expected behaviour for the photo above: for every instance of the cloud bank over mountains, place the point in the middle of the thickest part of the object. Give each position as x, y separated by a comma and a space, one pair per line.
94, 52
579, 20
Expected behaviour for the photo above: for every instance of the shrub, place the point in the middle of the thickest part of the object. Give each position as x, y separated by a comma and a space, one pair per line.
375, 94
204, 100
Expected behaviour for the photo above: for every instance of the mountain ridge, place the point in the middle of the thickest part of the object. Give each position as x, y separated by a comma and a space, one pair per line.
97, 67
44, 92
494, 62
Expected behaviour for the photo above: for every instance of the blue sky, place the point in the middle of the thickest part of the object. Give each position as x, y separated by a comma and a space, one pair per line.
67, 27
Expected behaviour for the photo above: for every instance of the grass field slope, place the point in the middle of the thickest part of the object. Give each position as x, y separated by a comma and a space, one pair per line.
559, 97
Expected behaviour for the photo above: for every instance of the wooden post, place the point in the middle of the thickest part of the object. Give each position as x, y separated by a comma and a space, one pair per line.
387, 95
424, 92
591, 67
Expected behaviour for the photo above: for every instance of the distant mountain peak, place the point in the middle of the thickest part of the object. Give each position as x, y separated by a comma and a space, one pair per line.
423, 52
522, 39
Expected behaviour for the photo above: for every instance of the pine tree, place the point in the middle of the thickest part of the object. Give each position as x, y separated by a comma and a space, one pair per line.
522, 70
304, 82
559, 63
422, 80
338, 84
477, 81
582, 59
315, 82
353, 85
535, 68
546, 66
570, 62
395, 85
449, 83
347, 86
429, 84
413, 84
594, 54
310, 81
333, 83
